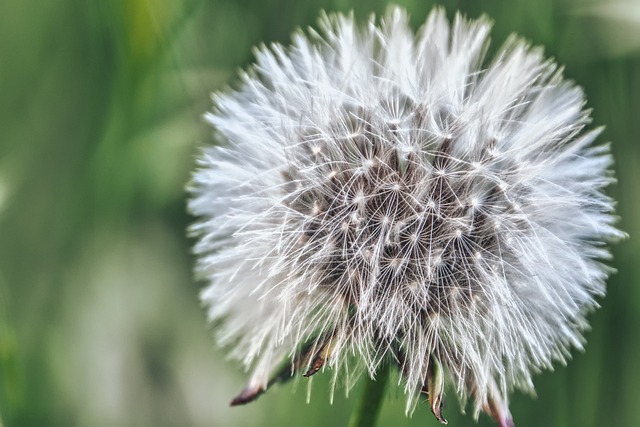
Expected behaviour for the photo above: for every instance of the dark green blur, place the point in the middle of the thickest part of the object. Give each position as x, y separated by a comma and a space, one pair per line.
100, 120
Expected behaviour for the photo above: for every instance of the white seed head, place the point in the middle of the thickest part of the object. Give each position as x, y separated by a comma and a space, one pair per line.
395, 196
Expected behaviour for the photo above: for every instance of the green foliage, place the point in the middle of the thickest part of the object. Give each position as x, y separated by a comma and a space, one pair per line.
100, 112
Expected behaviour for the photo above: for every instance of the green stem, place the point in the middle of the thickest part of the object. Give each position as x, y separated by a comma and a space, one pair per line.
368, 408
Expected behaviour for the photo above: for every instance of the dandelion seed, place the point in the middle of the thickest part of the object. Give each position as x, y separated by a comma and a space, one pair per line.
394, 196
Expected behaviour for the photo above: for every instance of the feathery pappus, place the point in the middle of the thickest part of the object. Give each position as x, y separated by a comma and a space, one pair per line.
384, 196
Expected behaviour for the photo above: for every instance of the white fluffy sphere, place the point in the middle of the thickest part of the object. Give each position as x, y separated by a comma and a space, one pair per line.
396, 197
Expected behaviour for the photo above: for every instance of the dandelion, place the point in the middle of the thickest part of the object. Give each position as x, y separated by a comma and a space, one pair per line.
384, 197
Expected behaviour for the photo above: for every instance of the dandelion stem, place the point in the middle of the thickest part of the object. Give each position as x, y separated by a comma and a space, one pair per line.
368, 408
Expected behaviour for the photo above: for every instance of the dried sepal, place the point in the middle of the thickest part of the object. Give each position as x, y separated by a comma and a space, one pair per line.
434, 388
497, 408
321, 355
301, 359
247, 395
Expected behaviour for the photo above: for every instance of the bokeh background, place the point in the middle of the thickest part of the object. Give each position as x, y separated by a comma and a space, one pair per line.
101, 107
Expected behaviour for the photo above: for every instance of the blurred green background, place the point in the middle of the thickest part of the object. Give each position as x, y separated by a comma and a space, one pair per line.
100, 116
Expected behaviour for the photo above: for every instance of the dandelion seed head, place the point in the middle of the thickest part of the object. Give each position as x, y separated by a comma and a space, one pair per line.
395, 196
